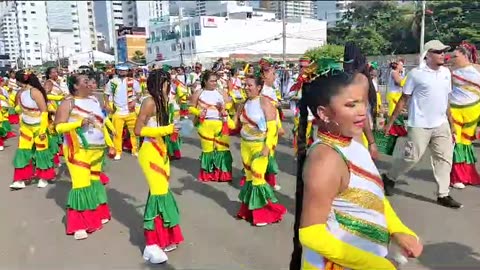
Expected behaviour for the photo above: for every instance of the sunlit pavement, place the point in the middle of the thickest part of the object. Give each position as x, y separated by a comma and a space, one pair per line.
33, 235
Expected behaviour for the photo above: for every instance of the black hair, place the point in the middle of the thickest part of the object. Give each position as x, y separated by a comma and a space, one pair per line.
356, 62
32, 80
48, 71
319, 92
258, 80
205, 76
72, 81
155, 82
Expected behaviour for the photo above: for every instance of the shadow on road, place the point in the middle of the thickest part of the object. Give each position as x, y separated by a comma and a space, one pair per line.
128, 215
449, 255
59, 193
208, 191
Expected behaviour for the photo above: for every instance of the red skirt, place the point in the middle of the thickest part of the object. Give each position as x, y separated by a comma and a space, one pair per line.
216, 176
161, 236
270, 213
88, 220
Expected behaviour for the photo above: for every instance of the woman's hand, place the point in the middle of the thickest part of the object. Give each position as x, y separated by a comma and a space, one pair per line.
409, 243
111, 152
42, 136
265, 151
372, 148
387, 128
86, 122
176, 127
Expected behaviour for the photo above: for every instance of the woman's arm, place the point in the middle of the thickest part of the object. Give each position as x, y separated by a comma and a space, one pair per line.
396, 77
272, 127
42, 106
61, 118
146, 111
323, 181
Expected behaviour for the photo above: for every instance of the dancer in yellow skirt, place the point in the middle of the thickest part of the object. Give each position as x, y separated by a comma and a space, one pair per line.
32, 157
395, 84
210, 105
465, 110
161, 219
342, 218
258, 120
80, 119
12, 88
5, 105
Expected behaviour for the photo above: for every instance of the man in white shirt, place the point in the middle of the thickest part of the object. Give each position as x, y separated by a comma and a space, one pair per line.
193, 80
427, 91
121, 95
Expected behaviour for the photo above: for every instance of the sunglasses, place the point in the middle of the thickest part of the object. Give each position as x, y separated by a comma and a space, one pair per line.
437, 51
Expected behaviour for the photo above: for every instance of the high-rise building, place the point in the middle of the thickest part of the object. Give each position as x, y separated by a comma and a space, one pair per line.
71, 28
37, 31
331, 11
126, 13
9, 31
292, 8
221, 8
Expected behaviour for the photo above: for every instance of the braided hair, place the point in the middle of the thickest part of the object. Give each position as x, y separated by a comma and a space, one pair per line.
31, 79
355, 61
318, 92
155, 81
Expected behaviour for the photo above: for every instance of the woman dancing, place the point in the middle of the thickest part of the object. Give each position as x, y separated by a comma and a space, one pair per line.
258, 120
342, 218
80, 119
210, 108
161, 219
32, 157
465, 109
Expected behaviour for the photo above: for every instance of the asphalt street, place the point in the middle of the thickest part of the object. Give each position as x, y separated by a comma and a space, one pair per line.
33, 234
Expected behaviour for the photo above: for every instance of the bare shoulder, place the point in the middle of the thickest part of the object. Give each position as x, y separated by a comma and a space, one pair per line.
323, 165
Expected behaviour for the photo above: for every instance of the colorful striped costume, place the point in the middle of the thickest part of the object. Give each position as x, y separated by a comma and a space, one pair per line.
259, 204
465, 109
84, 149
357, 232
161, 218
216, 159
33, 157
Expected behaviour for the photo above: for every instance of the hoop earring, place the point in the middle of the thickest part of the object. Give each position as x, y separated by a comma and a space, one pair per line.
337, 127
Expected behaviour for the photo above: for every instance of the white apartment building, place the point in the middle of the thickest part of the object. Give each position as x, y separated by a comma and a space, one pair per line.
126, 13
9, 32
293, 9
208, 37
331, 11
221, 8
71, 28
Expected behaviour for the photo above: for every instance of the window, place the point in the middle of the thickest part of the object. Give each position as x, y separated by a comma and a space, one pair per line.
37, 50
33, 12
193, 44
26, 35
32, 4
76, 36
24, 12
27, 43
24, 19
157, 50
28, 50
25, 27
36, 43
149, 50
77, 51
174, 47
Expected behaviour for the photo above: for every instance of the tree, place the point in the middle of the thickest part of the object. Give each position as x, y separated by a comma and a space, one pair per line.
139, 57
328, 51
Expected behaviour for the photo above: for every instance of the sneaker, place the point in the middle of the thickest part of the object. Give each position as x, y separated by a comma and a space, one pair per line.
117, 157
2, 148
80, 235
42, 183
261, 224
459, 185
135, 154
17, 185
154, 254
448, 201
105, 221
388, 185
170, 248
277, 187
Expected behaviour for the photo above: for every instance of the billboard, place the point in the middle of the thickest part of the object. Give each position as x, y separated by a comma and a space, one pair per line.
123, 31
127, 46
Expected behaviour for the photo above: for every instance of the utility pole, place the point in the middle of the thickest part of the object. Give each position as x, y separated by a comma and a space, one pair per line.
192, 39
284, 33
422, 31
41, 53
180, 18
112, 18
58, 54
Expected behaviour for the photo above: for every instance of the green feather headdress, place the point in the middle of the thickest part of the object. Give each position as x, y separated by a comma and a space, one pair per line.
322, 66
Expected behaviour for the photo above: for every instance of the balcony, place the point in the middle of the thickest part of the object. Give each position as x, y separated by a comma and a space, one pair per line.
172, 35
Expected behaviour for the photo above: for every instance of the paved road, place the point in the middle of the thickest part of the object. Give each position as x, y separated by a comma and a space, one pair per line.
32, 235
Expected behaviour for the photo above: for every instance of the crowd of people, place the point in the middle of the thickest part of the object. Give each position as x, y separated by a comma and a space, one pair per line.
343, 218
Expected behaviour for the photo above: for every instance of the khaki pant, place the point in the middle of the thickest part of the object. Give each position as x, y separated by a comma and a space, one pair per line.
439, 141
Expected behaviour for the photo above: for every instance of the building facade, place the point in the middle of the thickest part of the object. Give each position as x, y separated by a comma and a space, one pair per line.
293, 9
9, 32
205, 38
331, 11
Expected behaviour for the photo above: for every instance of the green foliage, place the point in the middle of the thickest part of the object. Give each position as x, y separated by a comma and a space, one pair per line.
327, 51
384, 27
